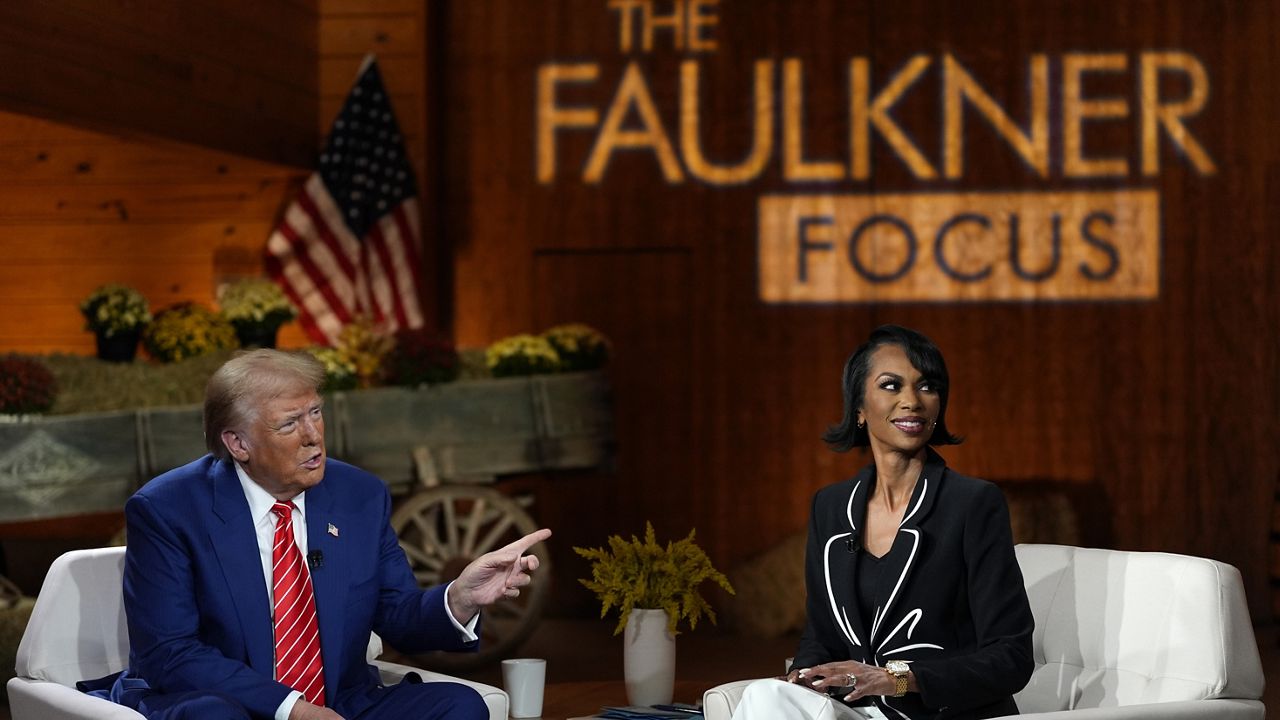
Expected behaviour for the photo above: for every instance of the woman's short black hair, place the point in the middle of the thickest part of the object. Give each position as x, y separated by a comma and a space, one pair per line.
924, 356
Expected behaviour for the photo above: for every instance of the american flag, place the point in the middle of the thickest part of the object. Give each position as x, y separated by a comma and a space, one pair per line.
349, 244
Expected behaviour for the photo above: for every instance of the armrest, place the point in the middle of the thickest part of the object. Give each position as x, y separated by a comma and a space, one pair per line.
494, 698
719, 702
41, 700
1217, 709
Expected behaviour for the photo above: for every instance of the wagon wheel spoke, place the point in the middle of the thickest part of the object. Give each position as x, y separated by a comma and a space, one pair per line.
471, 527
451, 528
441, 530
426, 578
430, 540
491, 538
420, 556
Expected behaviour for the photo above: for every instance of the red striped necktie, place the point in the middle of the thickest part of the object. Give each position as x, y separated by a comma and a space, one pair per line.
297, 634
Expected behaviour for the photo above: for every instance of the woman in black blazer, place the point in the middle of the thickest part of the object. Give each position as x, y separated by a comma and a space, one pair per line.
915, 600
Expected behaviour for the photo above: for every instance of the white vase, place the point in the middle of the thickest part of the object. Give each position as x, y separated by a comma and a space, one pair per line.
648, 658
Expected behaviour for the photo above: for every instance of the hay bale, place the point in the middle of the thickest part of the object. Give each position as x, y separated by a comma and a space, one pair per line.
770, 591
13, 622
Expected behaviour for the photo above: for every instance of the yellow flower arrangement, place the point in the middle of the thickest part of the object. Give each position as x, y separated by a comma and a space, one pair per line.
114, 308
255, 301
635, 574
521, 355
339, 372
186, 330
580, 347
364, 346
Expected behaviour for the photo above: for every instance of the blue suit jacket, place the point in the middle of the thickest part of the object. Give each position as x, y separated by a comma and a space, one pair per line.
197, 604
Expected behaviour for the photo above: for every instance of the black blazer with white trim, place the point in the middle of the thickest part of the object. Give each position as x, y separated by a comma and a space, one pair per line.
952, 602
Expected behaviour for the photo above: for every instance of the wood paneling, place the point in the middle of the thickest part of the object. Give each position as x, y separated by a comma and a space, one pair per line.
109, 202
393, 31
79, 209
1160, 410
238, 77
357, 35
652, 338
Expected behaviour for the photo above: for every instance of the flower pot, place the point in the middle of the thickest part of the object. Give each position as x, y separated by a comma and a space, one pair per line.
263, 336
119, 347
648, 658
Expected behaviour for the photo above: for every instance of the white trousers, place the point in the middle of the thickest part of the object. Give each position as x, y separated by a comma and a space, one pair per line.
773, 699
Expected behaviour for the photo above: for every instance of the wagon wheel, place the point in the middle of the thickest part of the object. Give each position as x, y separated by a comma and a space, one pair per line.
441, 530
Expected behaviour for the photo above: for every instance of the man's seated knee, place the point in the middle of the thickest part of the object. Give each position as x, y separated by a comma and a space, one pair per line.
429, 701
465, 703
199, 706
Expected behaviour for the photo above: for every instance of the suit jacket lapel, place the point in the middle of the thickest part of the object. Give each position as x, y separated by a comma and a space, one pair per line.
327, 579
905, 554
235, 542
856, 512
841, 566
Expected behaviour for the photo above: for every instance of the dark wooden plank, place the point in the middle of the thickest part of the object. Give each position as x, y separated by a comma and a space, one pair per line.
104, 72
1133, 403
389, 35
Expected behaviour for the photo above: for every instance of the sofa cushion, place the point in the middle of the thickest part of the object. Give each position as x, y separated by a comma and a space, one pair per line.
1119, 628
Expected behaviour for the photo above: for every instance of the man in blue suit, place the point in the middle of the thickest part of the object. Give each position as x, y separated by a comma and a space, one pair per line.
198, 577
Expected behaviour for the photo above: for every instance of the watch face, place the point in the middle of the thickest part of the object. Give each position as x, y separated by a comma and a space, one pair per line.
897, 667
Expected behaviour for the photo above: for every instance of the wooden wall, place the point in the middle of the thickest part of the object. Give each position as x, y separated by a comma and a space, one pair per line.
394, 31
80, 208
170, 197
1160, 411
237, 76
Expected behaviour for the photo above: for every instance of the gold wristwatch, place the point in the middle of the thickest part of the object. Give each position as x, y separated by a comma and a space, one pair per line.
898, 670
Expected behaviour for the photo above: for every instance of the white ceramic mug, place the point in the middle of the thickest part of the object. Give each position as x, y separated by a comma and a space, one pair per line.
523, 679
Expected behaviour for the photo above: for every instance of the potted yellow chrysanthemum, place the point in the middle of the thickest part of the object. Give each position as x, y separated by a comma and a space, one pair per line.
117, 315
256, 307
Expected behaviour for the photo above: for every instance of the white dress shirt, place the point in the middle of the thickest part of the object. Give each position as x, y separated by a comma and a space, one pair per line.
264, 524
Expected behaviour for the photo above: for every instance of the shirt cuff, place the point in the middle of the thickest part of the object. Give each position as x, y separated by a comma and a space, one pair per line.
286, 707
466, 632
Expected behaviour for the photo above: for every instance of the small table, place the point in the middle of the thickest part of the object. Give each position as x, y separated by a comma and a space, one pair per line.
565, 701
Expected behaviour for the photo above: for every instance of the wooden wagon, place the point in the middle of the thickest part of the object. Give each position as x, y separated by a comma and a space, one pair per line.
438, 448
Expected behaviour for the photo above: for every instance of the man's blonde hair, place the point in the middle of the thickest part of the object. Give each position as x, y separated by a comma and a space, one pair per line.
234, 393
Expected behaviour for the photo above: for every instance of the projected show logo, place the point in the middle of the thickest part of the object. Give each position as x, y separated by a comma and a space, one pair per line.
832, 242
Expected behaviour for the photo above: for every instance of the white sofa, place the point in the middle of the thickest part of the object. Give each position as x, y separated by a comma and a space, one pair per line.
77, 631
1124, 636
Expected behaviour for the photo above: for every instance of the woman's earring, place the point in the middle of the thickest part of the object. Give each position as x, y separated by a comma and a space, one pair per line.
862, 424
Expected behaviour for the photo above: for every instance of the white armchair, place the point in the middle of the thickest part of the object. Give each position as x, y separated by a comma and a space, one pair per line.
1125, 636
77, 631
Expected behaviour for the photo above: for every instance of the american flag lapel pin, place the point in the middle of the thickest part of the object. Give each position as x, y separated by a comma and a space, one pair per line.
333, 530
